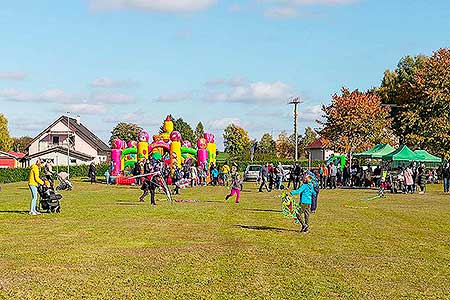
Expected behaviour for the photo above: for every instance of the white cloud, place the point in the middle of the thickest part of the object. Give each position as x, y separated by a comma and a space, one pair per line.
316, 2
172, 6
309, 113
105, 82
281, 12
220, 124
175, 97
60, 96
257, 92
13, 75
137, 117
53, 95
111, 98
234, 81
235, 8
85, 108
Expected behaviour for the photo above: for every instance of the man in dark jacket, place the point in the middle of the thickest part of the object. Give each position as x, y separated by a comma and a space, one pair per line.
263, 174
446, 176
92, 173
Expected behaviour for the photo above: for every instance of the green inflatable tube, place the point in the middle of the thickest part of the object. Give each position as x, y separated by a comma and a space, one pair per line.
129, 163
189, 150
129, 151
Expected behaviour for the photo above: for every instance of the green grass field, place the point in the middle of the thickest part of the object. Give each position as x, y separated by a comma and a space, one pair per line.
106, 245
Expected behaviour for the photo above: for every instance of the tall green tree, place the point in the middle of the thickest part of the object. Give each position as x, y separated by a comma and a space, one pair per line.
125, 131
237, 142
265, 148
185, 129
19, 144
425, 121
5, 138
309, 136
199, 130
398, 89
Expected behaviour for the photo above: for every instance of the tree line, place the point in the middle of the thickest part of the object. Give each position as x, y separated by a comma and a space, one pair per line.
411, 106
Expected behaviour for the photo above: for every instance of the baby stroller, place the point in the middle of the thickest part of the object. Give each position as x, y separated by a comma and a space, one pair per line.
49, 200
64, 182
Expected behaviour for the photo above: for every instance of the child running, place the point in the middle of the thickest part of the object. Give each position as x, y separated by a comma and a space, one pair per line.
235, 188
306, 192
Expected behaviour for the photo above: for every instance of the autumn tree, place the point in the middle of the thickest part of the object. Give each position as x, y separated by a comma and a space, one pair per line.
237, 142
5, 139
425, 121
285, 148
265, 148
355, 121
19, 144
125, 131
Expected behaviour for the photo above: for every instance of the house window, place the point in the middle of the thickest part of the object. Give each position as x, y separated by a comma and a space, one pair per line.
56, 140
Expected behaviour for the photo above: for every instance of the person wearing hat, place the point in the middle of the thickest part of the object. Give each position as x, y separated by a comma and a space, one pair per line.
33, 182
306, 192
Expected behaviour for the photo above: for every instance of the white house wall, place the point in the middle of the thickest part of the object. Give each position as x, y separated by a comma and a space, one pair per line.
61, 159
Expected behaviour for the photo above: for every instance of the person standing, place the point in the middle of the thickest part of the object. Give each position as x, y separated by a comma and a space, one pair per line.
408, 175
271, 176
280, 175
33, 182
306, 192
137, 171
225, 172
333, 175
446, 177
48, 169
421, 178
92, 173
263, 173
148, 186
297, 173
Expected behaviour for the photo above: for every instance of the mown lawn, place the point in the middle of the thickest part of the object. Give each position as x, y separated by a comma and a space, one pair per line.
106, 245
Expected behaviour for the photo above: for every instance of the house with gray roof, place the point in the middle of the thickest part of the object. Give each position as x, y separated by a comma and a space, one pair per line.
67, 141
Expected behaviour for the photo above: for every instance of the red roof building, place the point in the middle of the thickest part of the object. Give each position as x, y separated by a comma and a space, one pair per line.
11, 159
317, 150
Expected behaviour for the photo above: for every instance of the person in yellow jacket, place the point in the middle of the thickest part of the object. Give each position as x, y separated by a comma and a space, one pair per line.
225, 173
33, 182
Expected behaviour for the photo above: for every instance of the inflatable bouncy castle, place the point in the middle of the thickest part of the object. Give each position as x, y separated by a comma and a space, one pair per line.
168, 147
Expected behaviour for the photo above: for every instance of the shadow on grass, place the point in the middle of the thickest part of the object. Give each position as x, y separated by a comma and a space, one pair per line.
266, 228
127, 202
263, 210
14, 211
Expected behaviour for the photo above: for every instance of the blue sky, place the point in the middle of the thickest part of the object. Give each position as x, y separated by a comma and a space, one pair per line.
214, 61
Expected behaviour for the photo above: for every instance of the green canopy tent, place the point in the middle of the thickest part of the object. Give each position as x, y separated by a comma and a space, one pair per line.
368, 153
402, 156
385, 150
376, 152
429, 159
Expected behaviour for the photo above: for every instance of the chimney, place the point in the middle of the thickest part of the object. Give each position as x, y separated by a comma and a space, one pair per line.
78, 120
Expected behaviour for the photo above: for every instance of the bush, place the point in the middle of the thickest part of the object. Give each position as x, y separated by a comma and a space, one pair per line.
243, 164
21, 174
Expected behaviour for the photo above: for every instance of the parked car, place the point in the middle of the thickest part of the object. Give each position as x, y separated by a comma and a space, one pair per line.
252, 172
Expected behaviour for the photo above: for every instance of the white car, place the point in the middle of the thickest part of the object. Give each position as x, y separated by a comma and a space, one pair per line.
252, 172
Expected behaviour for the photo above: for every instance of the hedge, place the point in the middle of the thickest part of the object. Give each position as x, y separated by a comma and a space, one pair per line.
21, 174
244, 163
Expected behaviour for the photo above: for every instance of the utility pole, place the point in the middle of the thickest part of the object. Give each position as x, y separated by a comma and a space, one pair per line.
295, 101
68, 145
